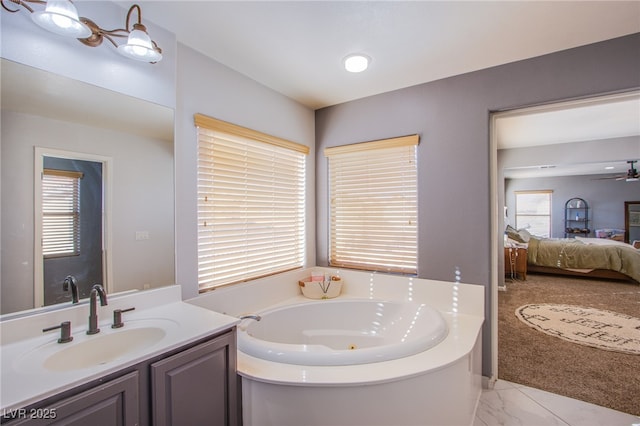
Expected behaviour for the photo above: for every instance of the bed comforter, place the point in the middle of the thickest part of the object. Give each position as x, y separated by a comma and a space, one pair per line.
575, 254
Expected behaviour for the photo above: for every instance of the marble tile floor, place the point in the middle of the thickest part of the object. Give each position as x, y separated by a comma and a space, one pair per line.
511, 404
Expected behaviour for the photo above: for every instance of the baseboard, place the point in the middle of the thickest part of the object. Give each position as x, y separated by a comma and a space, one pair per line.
488, 382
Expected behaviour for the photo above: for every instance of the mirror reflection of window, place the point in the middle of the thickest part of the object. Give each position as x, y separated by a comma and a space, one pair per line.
60, 213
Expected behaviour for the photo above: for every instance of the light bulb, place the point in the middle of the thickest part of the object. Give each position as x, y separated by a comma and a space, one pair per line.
139, 47
356, 63
61, 17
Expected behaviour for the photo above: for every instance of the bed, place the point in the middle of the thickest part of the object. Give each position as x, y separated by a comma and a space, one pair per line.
587, 257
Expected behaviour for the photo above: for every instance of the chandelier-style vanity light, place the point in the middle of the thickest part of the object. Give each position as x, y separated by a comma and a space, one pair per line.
61, 17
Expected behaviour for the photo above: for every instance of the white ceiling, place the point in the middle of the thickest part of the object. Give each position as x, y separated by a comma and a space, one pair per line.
297, 47
590, 119
599, 119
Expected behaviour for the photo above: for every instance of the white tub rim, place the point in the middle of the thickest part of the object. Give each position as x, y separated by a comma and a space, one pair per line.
294, 353
464, 330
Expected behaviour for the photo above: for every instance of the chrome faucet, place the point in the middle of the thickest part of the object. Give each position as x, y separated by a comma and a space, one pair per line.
251, 316
96, 290
71, 281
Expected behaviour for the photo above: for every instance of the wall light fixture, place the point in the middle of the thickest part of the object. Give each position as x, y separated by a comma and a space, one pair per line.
61, 17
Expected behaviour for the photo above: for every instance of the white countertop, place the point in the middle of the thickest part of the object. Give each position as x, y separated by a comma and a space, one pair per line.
22, 384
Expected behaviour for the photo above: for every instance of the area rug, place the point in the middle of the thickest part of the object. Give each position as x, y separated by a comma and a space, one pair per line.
597, 328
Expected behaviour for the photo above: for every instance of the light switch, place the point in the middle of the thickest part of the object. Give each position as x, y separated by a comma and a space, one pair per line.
142, 235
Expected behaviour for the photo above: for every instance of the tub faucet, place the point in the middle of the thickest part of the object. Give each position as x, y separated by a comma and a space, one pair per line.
71, 281
251, 316
96, 290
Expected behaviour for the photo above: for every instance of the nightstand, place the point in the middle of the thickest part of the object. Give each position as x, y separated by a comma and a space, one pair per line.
515, 262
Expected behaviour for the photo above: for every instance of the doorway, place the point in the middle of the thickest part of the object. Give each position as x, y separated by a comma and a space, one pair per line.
71, 217
564, 126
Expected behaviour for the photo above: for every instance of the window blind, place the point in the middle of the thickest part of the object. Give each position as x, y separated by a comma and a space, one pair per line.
373, 205
60, 213
533, 212
251, 199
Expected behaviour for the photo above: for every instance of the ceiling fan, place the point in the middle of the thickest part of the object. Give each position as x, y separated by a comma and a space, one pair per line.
631, 176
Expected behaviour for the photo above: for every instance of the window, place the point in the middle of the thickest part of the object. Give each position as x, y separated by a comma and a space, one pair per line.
373, 205
533, 212
60, 213
251, 203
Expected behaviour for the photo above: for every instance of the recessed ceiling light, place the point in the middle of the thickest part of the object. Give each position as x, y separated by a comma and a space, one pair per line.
356, 62
609, 168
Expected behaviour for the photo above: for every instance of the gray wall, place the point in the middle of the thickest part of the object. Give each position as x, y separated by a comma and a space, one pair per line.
594, 151
605, 193
207, 87
452, 118
605, 199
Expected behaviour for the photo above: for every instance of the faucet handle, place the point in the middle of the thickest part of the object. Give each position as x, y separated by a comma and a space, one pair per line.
65, 331
117, 317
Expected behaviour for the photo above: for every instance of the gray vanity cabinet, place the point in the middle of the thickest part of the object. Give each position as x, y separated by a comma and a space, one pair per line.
114, 403
196, 386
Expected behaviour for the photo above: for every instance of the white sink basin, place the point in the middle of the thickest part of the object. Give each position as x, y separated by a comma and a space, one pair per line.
102, 349
90, 351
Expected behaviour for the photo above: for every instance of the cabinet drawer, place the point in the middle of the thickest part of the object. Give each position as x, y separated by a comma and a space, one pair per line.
114, 403
197, 386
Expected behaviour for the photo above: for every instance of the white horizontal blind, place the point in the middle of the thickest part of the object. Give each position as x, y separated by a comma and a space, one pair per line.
60, 213
374, 208
533, 212
251, 198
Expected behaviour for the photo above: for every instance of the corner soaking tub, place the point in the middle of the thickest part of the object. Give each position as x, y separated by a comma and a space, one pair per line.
342, 332
298, 367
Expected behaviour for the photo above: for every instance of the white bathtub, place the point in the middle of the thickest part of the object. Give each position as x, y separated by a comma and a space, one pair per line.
342, 332
285, 383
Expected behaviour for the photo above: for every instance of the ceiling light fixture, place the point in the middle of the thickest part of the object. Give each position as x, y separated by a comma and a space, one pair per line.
61, 17
356, 62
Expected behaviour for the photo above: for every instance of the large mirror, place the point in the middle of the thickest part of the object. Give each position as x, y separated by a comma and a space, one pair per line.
49, 121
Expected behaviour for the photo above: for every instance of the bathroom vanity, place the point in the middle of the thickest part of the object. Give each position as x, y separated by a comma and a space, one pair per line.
186, 376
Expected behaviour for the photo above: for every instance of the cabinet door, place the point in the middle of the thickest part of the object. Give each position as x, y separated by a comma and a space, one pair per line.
197, 386
114, 403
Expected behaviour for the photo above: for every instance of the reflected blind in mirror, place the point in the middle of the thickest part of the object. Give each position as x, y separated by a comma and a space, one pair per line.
251, 201
374, 205
60, 213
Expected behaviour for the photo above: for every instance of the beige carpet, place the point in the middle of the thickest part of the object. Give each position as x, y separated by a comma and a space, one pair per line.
529, 357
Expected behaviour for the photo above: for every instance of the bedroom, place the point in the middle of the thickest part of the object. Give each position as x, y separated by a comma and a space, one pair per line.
576, 167
572, 150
